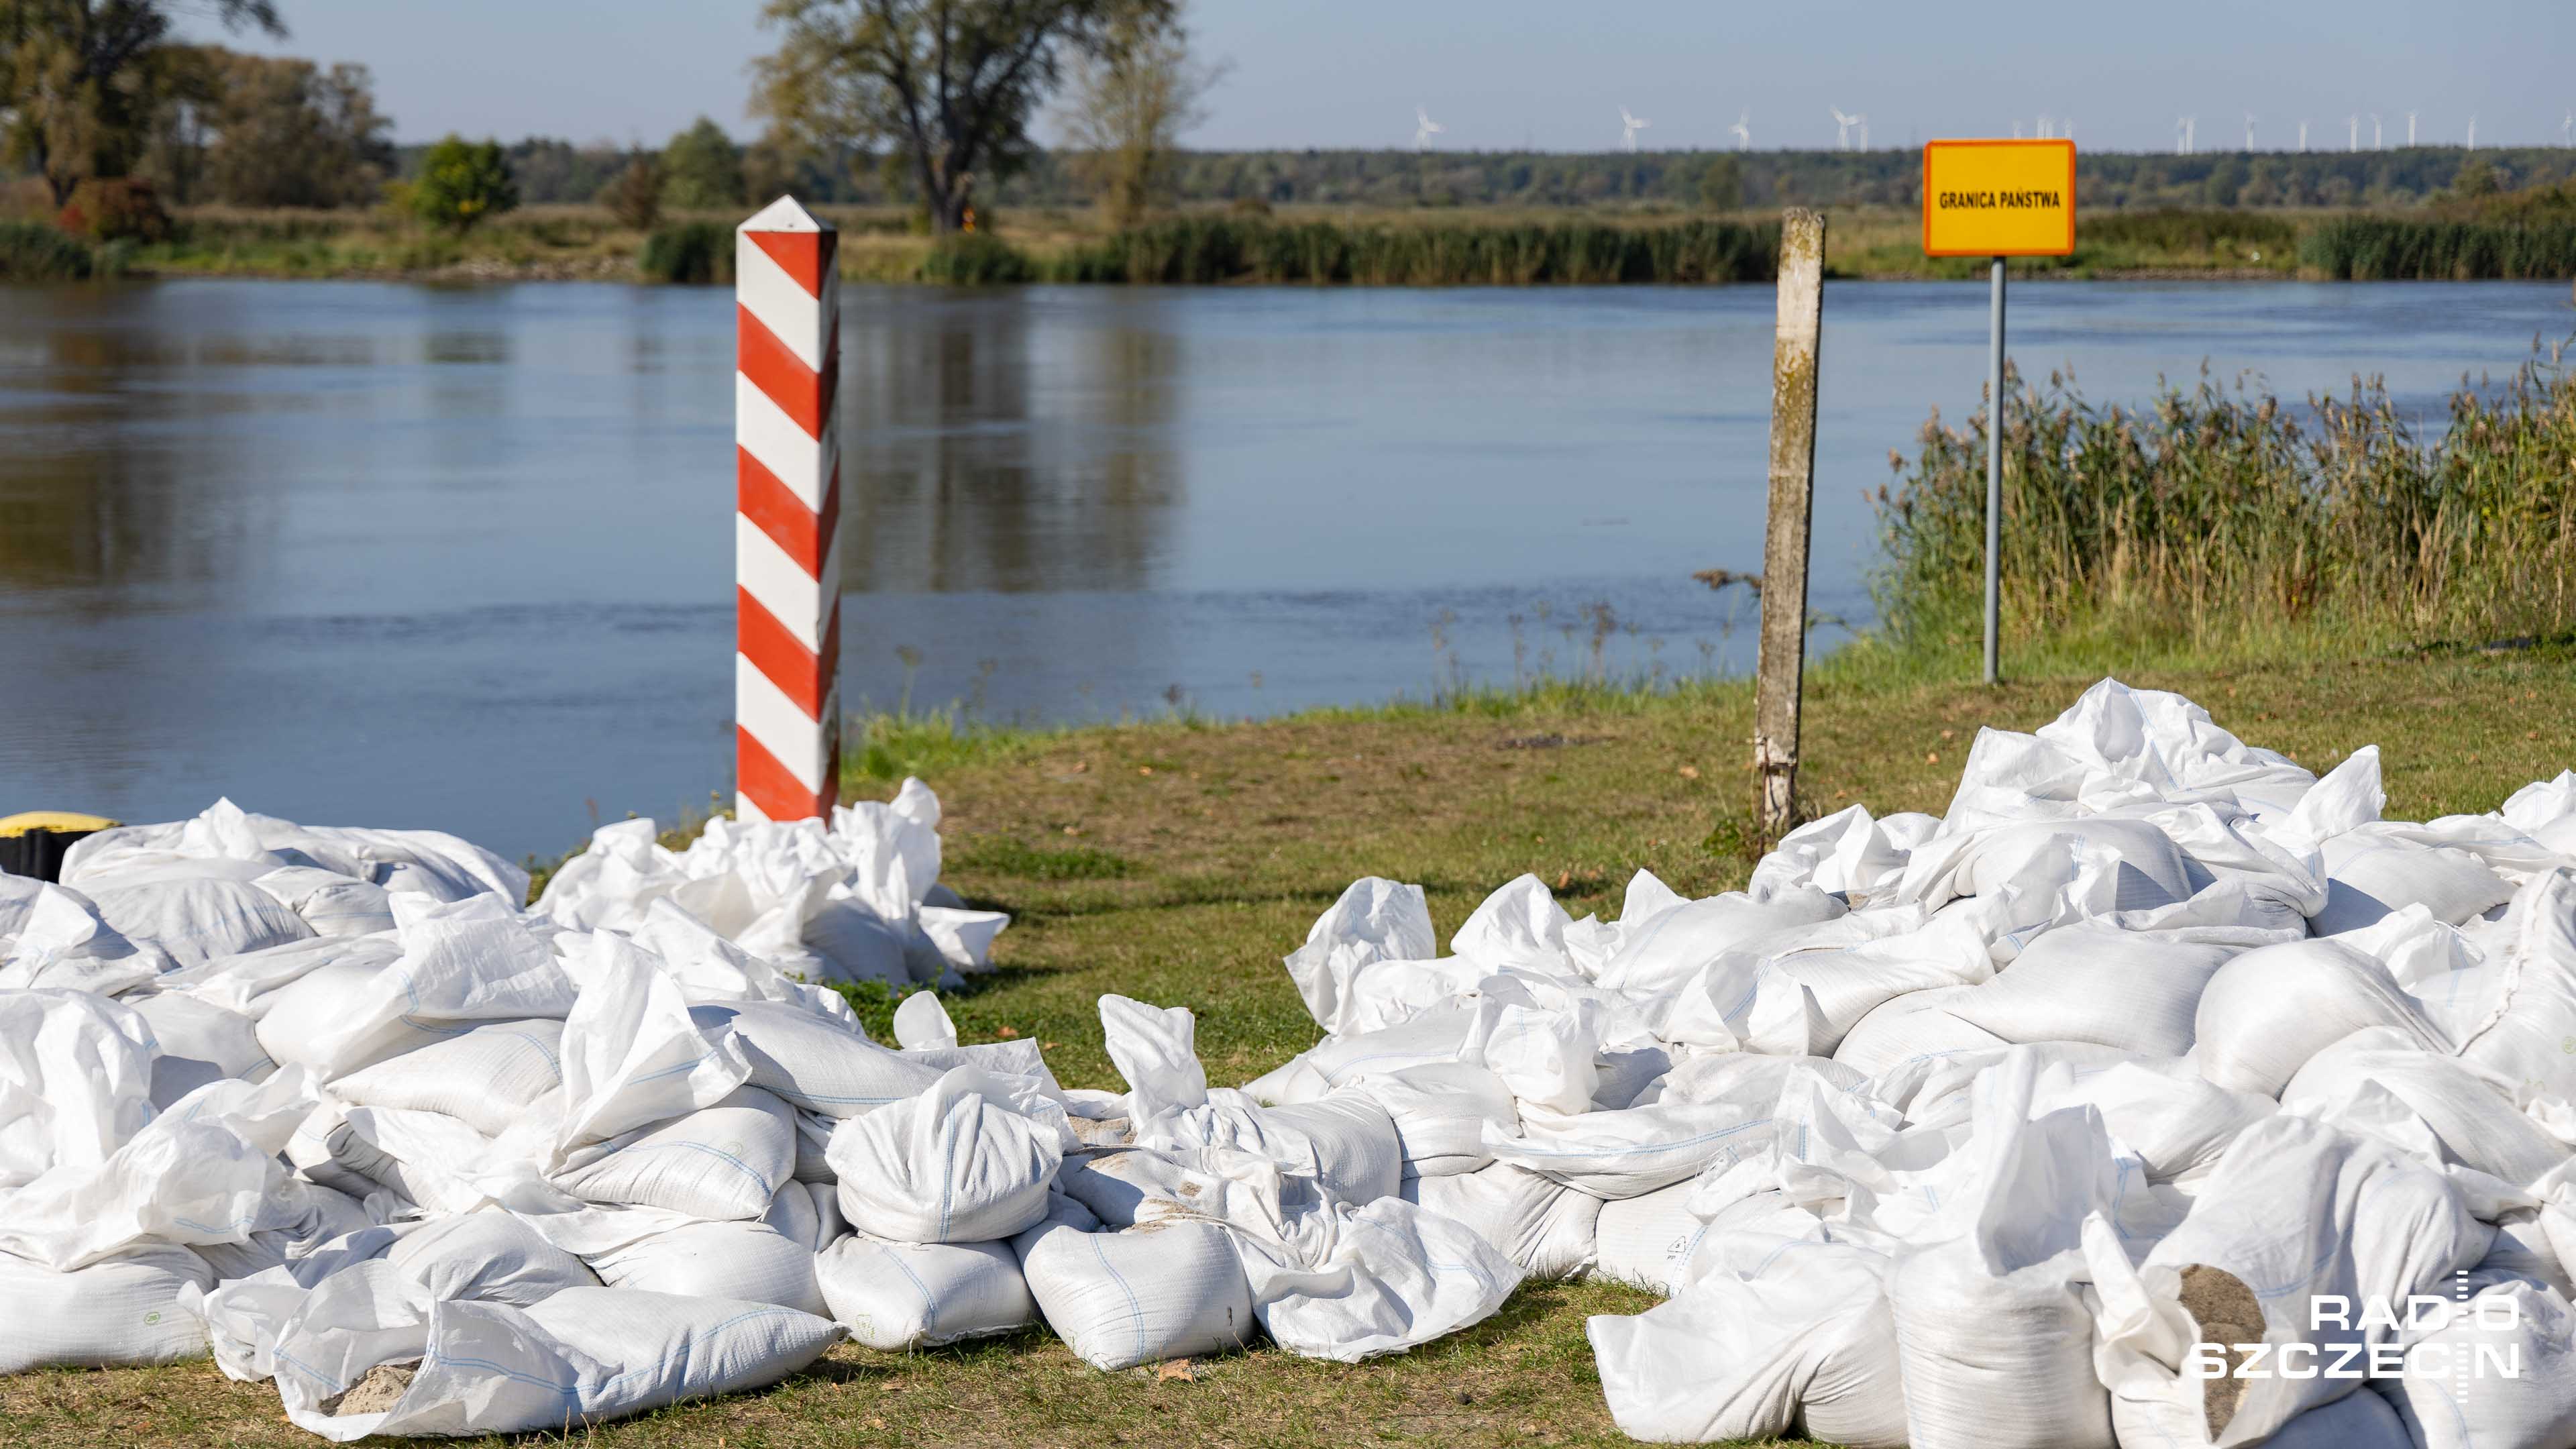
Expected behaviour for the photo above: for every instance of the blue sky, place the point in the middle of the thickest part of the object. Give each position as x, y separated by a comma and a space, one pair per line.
1510, 73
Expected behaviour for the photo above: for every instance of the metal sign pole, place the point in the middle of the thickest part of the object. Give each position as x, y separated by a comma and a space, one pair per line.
1995, 479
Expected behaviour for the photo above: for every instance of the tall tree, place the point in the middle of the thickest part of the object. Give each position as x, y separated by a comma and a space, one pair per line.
949, 84
1126, 105
78, 80
702, 170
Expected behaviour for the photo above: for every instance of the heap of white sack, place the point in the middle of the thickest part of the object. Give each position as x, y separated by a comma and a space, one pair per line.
1967, 1130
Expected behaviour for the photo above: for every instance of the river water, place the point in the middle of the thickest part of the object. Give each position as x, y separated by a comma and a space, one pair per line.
462, 557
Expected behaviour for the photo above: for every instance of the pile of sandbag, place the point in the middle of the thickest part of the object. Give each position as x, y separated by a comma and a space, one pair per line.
334, 1107
2092, 1111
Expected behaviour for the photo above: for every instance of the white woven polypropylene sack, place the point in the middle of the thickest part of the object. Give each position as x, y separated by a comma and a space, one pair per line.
2522, 1035
123, 1310
2374, 870
948, 1166
1357, 1283
750, 1260
2135, 990
1912, 1028
485, 1077
1155, 1049
489, 1256
1648, 1241
197, 919
1803, 1347
2266, 1012
1374, 920
1170, 1289
2497, 1369
199, 1043
1440, 1110
896, 1297
1344, 1140
817, 1062
1542, 1225
584, 1355
473, 960
718, 1163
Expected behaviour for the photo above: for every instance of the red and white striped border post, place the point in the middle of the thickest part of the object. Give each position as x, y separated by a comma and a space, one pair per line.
787, 561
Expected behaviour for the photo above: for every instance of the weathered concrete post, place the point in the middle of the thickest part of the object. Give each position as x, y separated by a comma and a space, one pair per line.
1781, 673
787, 470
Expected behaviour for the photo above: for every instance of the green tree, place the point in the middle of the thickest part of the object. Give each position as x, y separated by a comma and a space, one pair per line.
634, 195
80, 80
702, 170
2476, 178
949, 85
461, 182
1125, 108
285, 132
1721, 183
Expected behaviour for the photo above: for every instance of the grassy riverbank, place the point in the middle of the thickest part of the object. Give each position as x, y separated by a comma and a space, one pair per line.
1426, 246
1178, 862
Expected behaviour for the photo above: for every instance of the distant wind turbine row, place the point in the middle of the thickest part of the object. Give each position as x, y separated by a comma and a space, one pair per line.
2186, 130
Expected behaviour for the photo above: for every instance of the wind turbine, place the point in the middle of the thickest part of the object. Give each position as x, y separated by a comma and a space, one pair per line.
2352, 141
1743, 129
1424, 128
2250, 119
1842, 128
1629, 127
2303, 135
2045, 130
2473, 131
2567, 130
2378, 141
2410, 129
2182, 134
1861, 122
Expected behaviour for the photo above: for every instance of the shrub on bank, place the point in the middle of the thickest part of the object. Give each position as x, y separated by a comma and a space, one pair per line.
976, 259
31, 251
1206, 249
698, 253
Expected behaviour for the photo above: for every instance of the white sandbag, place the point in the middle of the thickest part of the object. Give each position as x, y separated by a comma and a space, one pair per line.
1345, 1141
120, 1310
1803, 1348
2266, 1012
1167, 1290
584, 1355
1350, 1284
2530, 1014
197, 919
2135, 990
1155, 1049
634, 1055
854, 943
1539, 1224
1545, 1054
920, 1021
948, 1166
1713, 1112
963, 938
1993, 1326
199, 1043
1440, 1111
2497, 1369
52, 939
1648, 1241
485, 1076
1913, 1027
1847, 853
750, 1260
816, 1062
719, 1163
2176, 1121
2295, 1209
307, 1218
897, 1297
1373, 920
489, 1257
1678, 943
1519, 926
334, 905
2374, 870
76, 1076
463, 962
1433, 1036
2472, 1112
255, 983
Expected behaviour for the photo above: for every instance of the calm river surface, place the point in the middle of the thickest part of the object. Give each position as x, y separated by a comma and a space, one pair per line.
462, 557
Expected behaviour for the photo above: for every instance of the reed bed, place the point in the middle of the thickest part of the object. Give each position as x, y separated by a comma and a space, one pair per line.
2218, 523
1206, 249
2390, 249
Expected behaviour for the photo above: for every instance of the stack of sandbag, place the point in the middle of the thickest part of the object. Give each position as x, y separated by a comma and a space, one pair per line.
2154, 1056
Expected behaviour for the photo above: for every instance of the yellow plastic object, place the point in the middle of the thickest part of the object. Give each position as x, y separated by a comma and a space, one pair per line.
61, 822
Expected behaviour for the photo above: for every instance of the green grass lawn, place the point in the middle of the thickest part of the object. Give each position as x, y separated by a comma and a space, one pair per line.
1178, 863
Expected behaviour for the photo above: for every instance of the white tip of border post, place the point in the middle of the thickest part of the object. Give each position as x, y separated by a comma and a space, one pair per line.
784, 214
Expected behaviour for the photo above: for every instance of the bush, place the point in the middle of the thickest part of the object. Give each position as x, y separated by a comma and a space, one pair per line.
461, 182
977, 259
634, 195
115, 208
31, 251
695, 253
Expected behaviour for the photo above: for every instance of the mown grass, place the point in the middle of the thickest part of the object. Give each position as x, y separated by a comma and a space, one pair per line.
1233, 837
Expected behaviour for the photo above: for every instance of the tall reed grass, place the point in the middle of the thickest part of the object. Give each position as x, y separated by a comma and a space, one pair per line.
2218, 522
2388, 249
1205, 249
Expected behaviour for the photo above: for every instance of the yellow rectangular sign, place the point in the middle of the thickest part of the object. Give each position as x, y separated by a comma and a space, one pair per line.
1999, 198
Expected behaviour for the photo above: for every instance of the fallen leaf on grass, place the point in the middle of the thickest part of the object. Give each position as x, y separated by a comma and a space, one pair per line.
1178, 1368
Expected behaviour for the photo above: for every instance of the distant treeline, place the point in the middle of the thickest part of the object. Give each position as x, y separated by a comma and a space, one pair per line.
559, 171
